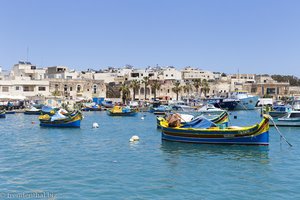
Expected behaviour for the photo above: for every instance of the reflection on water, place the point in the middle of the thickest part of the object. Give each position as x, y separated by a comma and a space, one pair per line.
234, 152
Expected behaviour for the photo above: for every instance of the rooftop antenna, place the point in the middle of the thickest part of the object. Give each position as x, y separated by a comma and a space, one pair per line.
27, 52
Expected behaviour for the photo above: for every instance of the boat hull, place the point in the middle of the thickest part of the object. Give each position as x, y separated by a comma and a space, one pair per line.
286, 122
73, 124
277, 114
262, 139
32, 112
73, 121
254, 135
248, 103
2, 115
121, 113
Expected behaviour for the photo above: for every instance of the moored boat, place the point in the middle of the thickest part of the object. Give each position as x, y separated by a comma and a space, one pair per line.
70, 120
2, 114
94, 107
224, 103
33, 111
279, 111
187, 120
107, 104
246, 101
210, 109
257, 134
121, 111
291, 119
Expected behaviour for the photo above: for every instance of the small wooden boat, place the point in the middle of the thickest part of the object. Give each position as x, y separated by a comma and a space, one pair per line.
160, 110
189, 120
257, 134
107, 104
33, 111
2, 114
92, 108
10, 112
121, 111
291, 119
279, 111
61, 120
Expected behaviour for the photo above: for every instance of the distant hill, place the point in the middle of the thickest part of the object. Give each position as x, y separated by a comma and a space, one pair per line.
293, 80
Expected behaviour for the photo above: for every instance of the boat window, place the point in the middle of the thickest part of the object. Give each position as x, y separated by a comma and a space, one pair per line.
295, 115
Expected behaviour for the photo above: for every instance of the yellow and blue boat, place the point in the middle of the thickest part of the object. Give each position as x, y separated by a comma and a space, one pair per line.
220, 120
257, 134
121, 111
67, 120
2, 114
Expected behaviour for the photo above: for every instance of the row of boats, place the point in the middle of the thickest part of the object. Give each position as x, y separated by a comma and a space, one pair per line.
210, 127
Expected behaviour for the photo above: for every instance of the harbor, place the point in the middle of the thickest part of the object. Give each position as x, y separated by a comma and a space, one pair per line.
102, 162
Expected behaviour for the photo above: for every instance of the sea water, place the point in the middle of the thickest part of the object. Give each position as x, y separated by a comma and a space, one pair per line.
101, 163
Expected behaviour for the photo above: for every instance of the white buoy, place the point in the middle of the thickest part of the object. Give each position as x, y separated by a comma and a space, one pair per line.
142, 118
95, 125
134, 138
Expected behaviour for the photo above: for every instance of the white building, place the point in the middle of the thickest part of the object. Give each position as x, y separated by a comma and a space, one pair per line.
190, 73
61, 72
26, 69
31, 88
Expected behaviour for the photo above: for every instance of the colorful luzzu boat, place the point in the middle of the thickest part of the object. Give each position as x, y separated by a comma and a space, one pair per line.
121, 111
253, 135
189, 120
59, 120
2, 114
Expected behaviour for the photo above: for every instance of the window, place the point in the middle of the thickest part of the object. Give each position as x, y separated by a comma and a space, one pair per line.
17, 88
78, 88
295, 115
71, 88
270, 90
95, 89
28, 89
42, 88
5, 89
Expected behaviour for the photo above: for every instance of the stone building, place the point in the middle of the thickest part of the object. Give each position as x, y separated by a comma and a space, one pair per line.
77, 89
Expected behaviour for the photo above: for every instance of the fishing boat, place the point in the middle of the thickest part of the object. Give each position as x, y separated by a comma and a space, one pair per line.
257, 134
33, 111
107, 104
10, 112
210, 109
224, 103
121, 111
246, 101
187, 120
279, 111
160, 110
2, 114
291, 119
61, 119
92, 107
48, 110
296, 105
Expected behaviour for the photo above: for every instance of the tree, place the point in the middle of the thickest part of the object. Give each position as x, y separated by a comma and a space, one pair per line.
145, 81
176, 88
124, 89
56, 93
155, 85
205, 87
197, 84
187, 88
135, 85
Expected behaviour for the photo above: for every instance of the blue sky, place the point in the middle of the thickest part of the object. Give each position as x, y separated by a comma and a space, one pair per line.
254, 36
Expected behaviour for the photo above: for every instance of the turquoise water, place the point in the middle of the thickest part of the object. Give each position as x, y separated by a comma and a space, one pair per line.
89, 163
